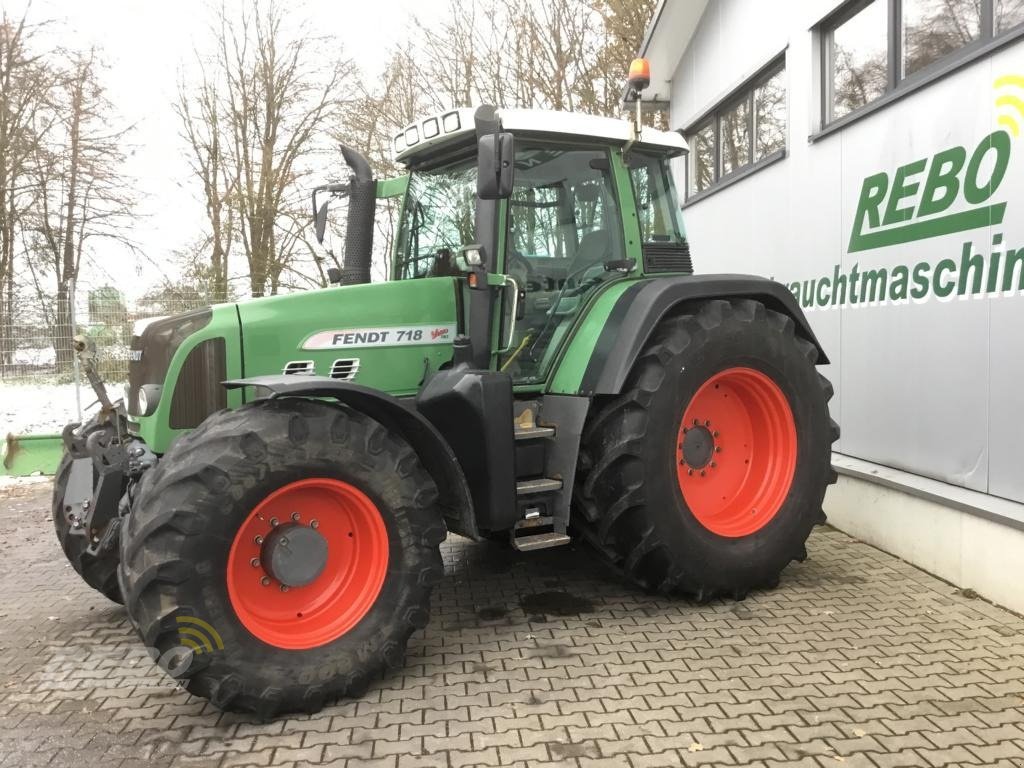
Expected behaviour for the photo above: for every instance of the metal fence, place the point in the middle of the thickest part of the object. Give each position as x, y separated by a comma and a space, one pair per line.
40, 386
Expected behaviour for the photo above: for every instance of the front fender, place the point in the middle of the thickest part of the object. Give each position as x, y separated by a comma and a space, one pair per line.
398, 415
639, 308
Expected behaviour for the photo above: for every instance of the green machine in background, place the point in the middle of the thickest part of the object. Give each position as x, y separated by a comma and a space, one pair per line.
542, 366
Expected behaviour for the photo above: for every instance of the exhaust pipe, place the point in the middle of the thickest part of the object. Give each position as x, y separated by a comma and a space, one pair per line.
362, 205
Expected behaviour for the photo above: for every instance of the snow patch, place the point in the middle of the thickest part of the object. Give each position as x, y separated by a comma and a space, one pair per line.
39, 409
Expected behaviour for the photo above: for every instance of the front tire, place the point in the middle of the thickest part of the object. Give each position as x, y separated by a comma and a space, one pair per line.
706, 476
331, 604
98, 571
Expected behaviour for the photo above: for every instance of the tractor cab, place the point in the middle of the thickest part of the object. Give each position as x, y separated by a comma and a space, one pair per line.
588, 203
584, 202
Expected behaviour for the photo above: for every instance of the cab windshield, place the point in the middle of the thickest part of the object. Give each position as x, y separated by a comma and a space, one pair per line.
437, 220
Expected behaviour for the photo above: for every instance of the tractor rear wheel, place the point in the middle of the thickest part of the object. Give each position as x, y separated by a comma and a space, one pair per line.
281, 555
706, 476
98, 571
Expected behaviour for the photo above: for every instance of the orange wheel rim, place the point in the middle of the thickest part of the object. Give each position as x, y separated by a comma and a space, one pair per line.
352, 561
736, 452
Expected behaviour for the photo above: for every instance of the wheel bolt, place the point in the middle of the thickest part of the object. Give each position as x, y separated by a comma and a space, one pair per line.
707, 423
689, 471
685, 430
255, 562
715, 433
314, 524
265, 581
295, 516
273, 522
284, 587
713, 465
702, 473
258, 540
696, 422
718, 449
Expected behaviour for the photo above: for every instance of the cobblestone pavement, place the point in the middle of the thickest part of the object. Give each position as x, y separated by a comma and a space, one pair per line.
856, 659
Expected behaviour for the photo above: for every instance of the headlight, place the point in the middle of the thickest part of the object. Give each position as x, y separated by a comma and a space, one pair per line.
149, 397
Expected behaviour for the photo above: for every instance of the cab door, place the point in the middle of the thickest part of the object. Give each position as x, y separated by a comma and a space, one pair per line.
564, 241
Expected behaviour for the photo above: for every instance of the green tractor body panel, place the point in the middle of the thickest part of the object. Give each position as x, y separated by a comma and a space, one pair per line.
568, 374
387, 335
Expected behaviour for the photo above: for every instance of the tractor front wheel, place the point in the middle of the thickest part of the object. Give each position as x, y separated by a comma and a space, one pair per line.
280, 555
99, 571
706, 476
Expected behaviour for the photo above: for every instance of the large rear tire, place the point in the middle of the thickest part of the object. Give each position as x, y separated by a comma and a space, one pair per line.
98, 571
706, 476
270, 628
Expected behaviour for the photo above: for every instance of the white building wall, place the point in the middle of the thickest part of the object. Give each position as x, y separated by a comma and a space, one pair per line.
933, 387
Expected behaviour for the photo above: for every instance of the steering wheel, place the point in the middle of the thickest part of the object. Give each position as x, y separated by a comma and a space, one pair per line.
520, 267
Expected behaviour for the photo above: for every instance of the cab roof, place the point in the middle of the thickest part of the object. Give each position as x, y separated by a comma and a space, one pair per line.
425, 136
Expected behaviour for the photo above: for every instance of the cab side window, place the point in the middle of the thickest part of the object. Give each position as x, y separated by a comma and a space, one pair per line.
658, 216
564, 226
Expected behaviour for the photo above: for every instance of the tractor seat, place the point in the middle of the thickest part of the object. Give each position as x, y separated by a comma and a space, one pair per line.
595, 249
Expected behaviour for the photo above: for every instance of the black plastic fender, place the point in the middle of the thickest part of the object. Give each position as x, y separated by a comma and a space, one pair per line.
641, 307
399, 415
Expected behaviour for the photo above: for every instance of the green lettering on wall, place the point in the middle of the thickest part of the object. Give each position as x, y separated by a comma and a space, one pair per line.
973, 266
1014, 264
872, 195
873, 285
825, 283
919, 230
903, 188
939, 288
898, 283
943, 184
921, 283
974, 191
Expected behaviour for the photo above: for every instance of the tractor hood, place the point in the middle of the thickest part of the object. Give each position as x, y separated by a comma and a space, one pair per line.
382, 335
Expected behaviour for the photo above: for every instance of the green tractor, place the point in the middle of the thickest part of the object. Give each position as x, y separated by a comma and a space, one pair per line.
269, 499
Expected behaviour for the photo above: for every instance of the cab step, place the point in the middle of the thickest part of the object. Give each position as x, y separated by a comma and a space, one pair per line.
540, 541
534, 433
537, 485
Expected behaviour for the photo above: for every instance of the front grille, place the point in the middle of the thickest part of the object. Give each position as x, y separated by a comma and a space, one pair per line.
667, 257
345, 369
151, 351
198, 390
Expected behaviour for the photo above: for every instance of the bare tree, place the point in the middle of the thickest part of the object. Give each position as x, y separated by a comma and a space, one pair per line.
82, 195
199, 110
257, 135
26, 82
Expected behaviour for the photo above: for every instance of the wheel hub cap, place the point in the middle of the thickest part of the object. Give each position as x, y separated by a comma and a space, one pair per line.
294, 555
698, 447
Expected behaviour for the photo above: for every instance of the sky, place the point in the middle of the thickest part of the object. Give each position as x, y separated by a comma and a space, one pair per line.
147, 45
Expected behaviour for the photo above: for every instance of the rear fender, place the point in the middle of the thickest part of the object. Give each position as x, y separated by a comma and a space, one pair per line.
397, 415
640, 308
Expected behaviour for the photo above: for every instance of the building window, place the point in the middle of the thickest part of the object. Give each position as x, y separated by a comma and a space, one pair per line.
859, 59
871, 47
746, 128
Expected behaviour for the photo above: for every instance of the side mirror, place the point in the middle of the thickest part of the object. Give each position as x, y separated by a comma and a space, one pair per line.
495, 166
320, 221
